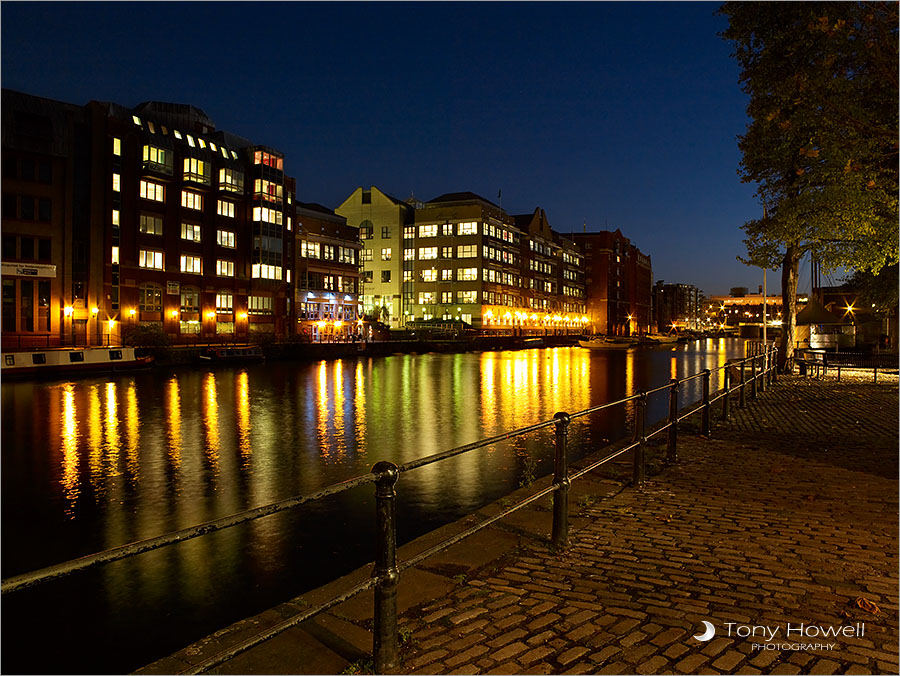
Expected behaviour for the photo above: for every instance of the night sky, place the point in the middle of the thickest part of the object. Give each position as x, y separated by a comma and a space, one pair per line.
607, 115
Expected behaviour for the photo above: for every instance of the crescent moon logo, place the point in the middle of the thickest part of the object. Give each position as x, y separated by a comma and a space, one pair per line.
709, 632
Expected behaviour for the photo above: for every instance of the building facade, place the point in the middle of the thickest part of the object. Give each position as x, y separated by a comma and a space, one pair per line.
326, 275
678, 306
381, 220
165, 221
618, 284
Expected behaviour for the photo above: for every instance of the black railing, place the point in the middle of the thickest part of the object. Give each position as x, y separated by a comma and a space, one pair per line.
816, 362
387, 570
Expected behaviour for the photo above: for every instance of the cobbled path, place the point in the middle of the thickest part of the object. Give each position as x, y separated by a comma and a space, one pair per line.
787, 515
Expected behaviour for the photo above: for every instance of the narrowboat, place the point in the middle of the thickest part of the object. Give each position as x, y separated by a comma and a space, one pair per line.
59, 362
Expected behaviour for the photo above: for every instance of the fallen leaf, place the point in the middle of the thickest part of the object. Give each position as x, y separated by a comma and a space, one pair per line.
867, 605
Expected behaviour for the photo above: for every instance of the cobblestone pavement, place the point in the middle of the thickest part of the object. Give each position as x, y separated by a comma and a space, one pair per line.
786, 517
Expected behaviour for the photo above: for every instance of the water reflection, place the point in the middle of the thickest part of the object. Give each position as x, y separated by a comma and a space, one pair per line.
137, 460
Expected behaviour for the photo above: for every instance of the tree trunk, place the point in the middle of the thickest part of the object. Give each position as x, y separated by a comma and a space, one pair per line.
790, 267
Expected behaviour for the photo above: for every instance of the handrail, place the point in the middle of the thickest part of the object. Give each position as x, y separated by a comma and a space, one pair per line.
385, 474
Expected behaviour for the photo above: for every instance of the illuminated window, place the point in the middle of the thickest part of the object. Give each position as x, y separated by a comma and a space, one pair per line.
262, 157
177, 134
190, 140
157, 159
150, 298
466, 296
224, 302
225, 238
151, 127
196, 170
447, 229
467, 251
259, 305
428, 275
327, 253
267, 215
190, 299
116, 182
428, 231
409, 232
152, 191
467, 274
467, 229
231, 180
225, 268
190, 264
409, 254
268, 190
201, 142
366, 255
191, 200
151, 225
190, 232
427, 253
446, 296
263, 271
117, 146
136, 120
225, 208
189, 326
408, 275
310, 249
426, 297
150, 259
115, 217
447, 275
446, 252
386, 254
345, 255
114, 258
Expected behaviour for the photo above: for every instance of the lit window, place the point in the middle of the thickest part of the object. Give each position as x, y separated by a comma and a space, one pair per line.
427, 253
467, 251
177, 134
267, 215
191, 141
447, 275
150, 259
225, 268
151, 127
262, 157
152, 191
467, 274
446, 296
409, 254
269, 190
189, 326
190, 299
386, 254
447, 229
190, 232
365, 255
263, 271
115, 217
117, 182
202, 143
466, 296
224, 152
150, 298
225, 208
428, 275
409, 232
231, 180
191, 200
117, 146
190, 264
259, 305
150, 224
224, 302
225, 238
196, 170
467, 229
114, 258
212, 146
428, 230
233, 155
136, 120
426, 297
446, 252
327, 253
407, 275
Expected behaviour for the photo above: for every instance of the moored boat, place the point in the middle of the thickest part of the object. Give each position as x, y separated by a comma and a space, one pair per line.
606, 344
65, 361
225, 355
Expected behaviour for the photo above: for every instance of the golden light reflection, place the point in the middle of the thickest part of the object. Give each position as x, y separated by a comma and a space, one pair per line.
173, 420
95, 439
69, 479
359, 405
322, 410
630, 383
338, 435
673, 368
488, 391
132, 426
211, 421
112, 430
243, 417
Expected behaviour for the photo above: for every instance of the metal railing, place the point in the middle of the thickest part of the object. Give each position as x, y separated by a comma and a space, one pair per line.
756, 372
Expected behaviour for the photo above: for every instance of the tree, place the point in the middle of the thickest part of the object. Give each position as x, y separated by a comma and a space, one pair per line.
822, 143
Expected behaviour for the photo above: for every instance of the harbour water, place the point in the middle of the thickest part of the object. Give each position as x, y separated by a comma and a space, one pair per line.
95, 463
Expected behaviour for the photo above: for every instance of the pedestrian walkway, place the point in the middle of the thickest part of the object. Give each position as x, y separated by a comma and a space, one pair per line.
784, 520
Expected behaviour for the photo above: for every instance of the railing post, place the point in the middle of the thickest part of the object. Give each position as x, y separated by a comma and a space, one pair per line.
640, 414
385, 636
753, 378
704, 416
774, 364
560, 536
743, 384
672, 445
765, 371
726, 380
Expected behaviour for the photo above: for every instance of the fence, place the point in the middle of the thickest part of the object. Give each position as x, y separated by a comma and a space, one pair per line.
755, 372
817, 361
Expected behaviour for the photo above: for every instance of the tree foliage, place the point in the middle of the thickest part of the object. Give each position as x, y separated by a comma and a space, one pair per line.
822, 142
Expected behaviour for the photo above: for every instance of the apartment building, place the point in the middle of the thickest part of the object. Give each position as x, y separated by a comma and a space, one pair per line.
161, 219
326, 275
618, 284
381, 220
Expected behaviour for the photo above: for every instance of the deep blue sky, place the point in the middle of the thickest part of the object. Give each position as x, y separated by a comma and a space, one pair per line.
613, 115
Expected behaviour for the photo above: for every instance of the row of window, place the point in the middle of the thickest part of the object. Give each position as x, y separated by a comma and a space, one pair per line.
429, 297
150, 299
199, 142
327, 252
156, 192
154, 260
